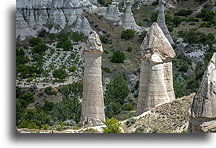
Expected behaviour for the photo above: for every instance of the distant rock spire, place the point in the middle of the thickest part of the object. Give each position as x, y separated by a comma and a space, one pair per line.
128, 21
156, 82
203, 112
93, 102
161, 21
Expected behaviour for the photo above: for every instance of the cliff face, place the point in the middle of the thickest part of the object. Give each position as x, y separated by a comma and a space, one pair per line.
51, 15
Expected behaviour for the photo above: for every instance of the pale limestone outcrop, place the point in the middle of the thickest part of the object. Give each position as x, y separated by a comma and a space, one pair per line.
203, 113
51, 15
156, 82
93, 102
112, 12
127, 19
161, 21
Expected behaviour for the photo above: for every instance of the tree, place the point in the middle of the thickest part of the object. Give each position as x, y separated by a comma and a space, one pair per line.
60, 74
115, 95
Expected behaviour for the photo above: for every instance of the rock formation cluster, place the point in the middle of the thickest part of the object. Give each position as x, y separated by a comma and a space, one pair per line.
92, 102
161, 21
156, 82
51, 15
203, 113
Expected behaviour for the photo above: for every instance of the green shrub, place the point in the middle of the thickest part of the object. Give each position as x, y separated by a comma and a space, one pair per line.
21, 58
48, 106
206, 15
35, 41
112, 126
118, 57
128, 107
155, 3
128, 34
26, 99
183, 12
154, 16
129, 49
130, 121
77, 37
139, 129
72, 68
60, 74
183, 68
106, 69
176, 21
50, 91
104, 40
74, 89
192, 19
40, 48
43, 33
191, 36
179, 88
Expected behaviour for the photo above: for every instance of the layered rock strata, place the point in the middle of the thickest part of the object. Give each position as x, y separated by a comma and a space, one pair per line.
161, 21
92, 102
156, 82
203, 113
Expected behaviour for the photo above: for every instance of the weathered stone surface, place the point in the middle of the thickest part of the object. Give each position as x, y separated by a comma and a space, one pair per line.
51, 15
156, 82
92, 102
127, 20
161, 21
203, 113
112, 12
204, 102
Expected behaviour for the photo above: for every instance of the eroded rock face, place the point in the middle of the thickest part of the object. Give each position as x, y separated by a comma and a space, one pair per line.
51, 15
93, 102
203, 113
156, 82
161, 21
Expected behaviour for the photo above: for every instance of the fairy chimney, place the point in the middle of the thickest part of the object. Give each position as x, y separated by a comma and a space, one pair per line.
161, 21
156, 82
203, 113
92, 102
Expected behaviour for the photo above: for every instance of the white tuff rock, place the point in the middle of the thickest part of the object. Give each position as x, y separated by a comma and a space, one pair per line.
156, 82
93, 102
161, 21
203, 113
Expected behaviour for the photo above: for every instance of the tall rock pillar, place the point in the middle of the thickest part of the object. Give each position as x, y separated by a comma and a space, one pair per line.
92, 102
203, 112
156, 86
161, 21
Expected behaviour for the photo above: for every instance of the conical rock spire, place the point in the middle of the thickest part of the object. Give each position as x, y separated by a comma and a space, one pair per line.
203, 112
156, 82
161, 21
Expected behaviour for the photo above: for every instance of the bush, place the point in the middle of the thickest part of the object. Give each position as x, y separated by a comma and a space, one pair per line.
128, 34
26, 99
191, 36
104, 40
183, 12
192, 19
179, 88
64, 42
35, 41
48, 106
60, 74
50, 91
74, 89
118, 57
43, 33
176, 21
155, 3
154, 16
72, 68
106, 69
128, 107
40, 48
77, 37
129, 49
140, 129
112, 126
206, 15
183, 68
130, 121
